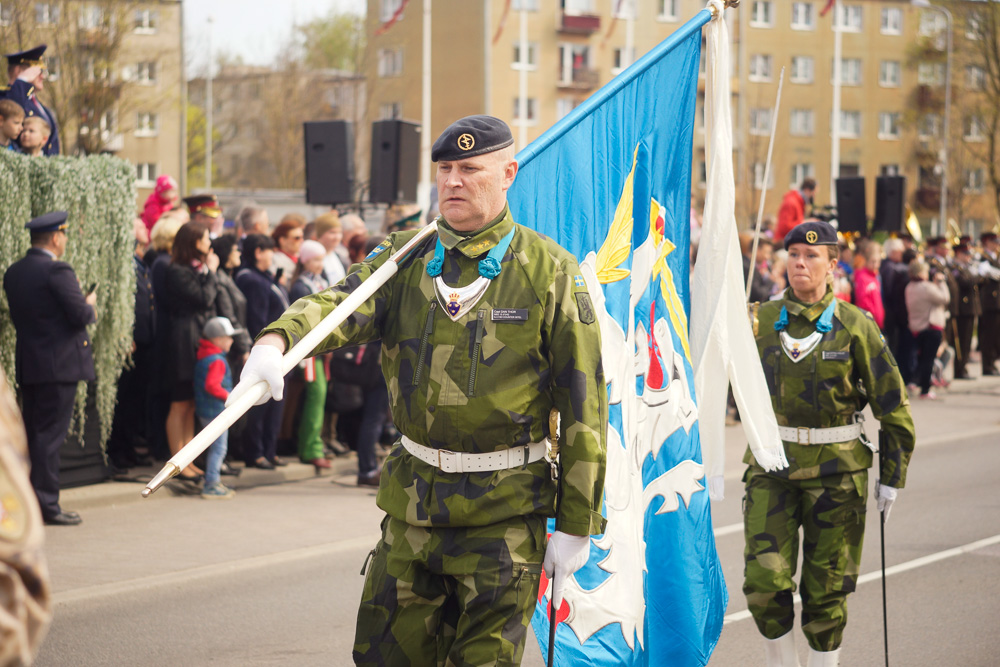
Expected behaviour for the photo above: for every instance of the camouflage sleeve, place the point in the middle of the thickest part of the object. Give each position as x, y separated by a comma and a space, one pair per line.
362, 326
889, 400
580, 394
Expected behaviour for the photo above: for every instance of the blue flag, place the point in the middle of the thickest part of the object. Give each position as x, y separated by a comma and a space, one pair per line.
611, 183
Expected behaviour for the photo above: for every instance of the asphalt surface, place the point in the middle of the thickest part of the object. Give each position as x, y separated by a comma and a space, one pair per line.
271, 577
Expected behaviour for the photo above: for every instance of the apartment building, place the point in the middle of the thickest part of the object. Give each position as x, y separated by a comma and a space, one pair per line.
892, 83
114, 77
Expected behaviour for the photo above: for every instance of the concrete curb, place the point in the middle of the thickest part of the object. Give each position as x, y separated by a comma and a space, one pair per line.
120, 492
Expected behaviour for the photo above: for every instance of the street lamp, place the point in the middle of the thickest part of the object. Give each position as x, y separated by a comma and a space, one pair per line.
942, 219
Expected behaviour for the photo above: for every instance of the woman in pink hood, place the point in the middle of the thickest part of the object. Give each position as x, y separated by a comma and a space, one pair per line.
163, 198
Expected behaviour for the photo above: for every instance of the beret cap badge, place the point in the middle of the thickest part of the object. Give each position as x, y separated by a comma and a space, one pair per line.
466, 142
812, 237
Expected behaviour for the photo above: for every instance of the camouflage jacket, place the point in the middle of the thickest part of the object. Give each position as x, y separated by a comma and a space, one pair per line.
851, 366
483, 383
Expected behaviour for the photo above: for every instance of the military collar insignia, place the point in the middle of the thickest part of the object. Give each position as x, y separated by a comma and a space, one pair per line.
476, 244
798, 349
457, 301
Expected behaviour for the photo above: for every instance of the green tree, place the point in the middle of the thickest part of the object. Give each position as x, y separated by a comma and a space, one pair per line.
334, 41
196, 148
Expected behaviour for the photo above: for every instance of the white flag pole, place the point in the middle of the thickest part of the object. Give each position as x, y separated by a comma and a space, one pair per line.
767, 175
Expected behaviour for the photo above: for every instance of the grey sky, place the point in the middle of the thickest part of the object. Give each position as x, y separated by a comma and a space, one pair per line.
253, 29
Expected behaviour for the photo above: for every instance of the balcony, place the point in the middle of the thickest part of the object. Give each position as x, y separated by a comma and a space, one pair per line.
579, 24
582, 79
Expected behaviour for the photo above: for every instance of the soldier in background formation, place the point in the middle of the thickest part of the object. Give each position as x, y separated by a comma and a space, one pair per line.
814, 349
989, 298
484, 330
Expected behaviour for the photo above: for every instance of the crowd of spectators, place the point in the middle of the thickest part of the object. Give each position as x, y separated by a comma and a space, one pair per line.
205, 289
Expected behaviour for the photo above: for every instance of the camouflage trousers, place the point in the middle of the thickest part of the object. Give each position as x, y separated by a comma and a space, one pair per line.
831, 512
451, 597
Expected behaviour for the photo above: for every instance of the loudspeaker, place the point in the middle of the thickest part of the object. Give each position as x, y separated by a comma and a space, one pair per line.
890, 202
329, 151
851, 215
395, 162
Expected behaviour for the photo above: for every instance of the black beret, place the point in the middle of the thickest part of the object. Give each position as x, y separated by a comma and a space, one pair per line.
50, 222
962, 247
812, 233
29, 57
936, 241
471, 136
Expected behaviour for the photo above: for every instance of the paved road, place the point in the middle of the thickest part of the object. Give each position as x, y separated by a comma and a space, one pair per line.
271, 577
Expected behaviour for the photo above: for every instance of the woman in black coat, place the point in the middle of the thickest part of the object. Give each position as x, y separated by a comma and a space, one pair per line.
192, 290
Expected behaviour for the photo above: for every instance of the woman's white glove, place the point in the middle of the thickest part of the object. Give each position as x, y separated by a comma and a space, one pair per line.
566, 553
886, 496
263, 365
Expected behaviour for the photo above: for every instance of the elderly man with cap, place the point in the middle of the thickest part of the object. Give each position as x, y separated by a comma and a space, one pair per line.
53, 352
205, 209
484, 330
26, 78
989, 298
816, 350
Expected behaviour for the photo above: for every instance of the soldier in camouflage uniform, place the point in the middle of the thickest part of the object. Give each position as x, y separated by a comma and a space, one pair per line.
816, 351
454, 579
25, 603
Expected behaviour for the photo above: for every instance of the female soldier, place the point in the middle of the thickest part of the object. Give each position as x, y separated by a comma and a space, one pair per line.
824, 359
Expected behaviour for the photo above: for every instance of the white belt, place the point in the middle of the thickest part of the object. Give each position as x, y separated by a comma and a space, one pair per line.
448, 461
804, 435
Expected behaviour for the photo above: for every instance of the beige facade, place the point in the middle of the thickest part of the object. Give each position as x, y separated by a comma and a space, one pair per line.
575, 46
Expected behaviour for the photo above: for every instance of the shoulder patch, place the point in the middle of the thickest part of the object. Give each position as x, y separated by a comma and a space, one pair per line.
378, 250
585, 307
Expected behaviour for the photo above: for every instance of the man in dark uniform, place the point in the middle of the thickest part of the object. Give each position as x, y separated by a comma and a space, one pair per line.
53, 353
205, 209
26, 78
989, 298
968, 281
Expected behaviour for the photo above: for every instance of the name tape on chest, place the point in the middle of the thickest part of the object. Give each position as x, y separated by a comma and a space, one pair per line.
509, 315
836, 355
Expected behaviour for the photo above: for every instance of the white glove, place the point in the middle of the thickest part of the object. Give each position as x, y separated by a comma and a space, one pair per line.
566, 553
263, 364
886, 496
716, 488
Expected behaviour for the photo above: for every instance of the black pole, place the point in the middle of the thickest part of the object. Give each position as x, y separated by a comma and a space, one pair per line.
885, 611
552, 620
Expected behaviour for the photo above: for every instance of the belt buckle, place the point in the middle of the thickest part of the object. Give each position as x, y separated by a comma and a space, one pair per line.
798, 435
448, 458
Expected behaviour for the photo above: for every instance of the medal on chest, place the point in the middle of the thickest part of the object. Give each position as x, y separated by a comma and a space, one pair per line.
457, 301
798, 349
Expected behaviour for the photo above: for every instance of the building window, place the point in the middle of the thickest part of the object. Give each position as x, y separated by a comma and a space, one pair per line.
51, 68
146, 21
46, 13
760, 122
572, 58
578, 7
145, 72
975, 77
850, 71
930, 74
760, 67
6, 14
892, 21
758, 177
852, 18
390, 110
146, 174
802, 69
974, 129
147, 124
890, 73
564, 105
762, 14
931, 24
888, 125
929, 127
803, 122
889, 170
803, 16
530, 105
621, 59
973, 26
850, 124
527, 5
667, 10
390, 62
389, 9
800, 172
974, 180
90, 17
527, 57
